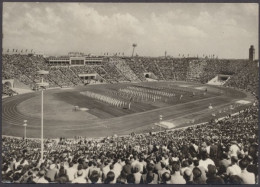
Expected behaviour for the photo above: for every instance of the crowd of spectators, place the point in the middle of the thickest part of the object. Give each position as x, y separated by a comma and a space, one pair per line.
124, 68
214, 67
74, 78
6, 90
195, 70
150, 65
113, 74
136, 67
244, 74
219, 152
60, 78
246, 78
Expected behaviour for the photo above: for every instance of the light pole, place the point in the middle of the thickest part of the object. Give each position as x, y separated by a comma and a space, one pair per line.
160, 122
25, 125
42, 85
134, 46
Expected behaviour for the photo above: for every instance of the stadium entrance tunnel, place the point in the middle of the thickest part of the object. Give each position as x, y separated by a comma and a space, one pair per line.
9, 83
222, 77
147, 75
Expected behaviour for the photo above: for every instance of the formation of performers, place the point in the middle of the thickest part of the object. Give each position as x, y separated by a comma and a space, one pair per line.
138, 95
124, 96
104, 98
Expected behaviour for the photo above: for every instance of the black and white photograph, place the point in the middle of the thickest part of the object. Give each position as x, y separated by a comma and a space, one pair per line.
130, 93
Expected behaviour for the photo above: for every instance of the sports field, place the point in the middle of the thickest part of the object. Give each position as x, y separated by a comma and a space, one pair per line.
103, 119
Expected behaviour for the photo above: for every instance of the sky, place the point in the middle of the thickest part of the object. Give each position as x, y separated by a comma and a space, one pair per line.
223, 29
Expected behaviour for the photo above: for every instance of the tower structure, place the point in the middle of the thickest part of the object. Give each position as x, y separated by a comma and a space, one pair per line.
251, 53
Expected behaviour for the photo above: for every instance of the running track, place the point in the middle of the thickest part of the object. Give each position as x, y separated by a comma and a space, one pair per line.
12, 119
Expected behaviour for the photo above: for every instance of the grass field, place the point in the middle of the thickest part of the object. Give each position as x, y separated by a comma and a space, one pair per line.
103, 119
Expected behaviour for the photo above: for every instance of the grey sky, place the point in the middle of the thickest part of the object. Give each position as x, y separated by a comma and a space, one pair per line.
226, 30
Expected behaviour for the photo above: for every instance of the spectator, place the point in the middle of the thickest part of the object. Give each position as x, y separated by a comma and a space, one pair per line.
110, 178
176, 177
150, 177
188, 176
247, 177
71, 172
234, 169
80, 178
197, 179
205, 160
166, 178
52, 173
94, 177
42, 179
212, 178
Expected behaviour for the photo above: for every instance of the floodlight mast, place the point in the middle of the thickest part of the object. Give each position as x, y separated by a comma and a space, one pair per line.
42, 85
25, 125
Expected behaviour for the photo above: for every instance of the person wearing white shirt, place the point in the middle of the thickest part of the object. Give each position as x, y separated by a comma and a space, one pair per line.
137, 175
247, 177
115, 172
105, 170
71, 171
234, 149
234, 169
135, 161
205, 161
118, 167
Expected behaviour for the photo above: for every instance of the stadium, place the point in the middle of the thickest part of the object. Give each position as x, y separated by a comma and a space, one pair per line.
129, 119
151, 97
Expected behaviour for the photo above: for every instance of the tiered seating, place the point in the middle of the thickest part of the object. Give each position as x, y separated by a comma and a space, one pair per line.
166, 68
124, 68
246, 78
180, 67
195, 70
24, 68
71, 75
137, 67
151, 66
113, 73
61, 79
7, 91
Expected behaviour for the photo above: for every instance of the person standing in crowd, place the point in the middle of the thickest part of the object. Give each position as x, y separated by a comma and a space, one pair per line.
176, 177
234, 169
212, 177
247, 177
42, 179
